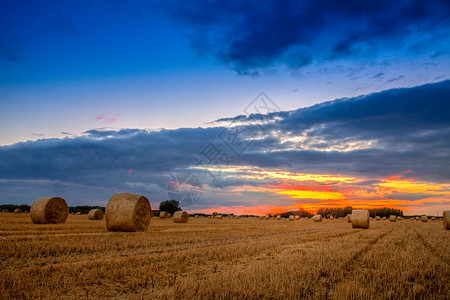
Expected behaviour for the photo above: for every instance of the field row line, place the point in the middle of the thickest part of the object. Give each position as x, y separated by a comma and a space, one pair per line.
184, 248
353, 261
430, 248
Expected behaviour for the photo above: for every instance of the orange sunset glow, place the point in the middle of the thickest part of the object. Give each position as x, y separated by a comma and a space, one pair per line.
313, 191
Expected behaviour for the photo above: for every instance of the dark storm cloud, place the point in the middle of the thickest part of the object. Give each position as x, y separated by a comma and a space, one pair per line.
68, 158
251, 35
399, 130
392, 113
408, 128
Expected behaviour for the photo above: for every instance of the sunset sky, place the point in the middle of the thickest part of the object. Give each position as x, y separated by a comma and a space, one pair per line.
229, 106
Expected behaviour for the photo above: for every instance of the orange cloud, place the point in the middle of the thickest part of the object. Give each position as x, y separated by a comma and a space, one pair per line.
411, 186
332, 190
312, 194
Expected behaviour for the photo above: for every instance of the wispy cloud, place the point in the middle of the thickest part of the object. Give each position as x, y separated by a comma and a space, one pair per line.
108, 117
378, 75
396, 78
38, 134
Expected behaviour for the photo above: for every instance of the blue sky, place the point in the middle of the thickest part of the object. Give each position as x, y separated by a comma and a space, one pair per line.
141, 69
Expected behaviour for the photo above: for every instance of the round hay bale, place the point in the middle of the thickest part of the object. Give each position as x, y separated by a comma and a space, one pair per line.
49, 210
433, 219
128, 212
383, 218
331, 218
446, 219
267, 217
317, 218
17, 211
219, 216
393, 218
27, 212
78, 213
196, 216
417, 218
360, 218
377, 218
424, 219
5, 210
297, 217
278, 217
180, 217
96, 214
291, 218
349, 218
163, 214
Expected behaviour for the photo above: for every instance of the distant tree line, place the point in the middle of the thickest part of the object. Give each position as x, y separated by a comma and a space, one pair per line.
12, 207
84, 209
72, 209
385, 212
247, 216
172, 206
338, 212
169, 206
301, 213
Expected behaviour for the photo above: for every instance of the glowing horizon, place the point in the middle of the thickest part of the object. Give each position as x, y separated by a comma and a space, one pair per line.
329, 190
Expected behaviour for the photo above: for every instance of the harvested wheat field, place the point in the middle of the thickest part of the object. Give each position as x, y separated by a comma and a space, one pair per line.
224, 258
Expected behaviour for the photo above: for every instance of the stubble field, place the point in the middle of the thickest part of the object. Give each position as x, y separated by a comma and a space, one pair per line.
224, 259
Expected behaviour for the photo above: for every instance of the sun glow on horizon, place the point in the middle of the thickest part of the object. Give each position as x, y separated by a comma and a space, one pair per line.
309, 191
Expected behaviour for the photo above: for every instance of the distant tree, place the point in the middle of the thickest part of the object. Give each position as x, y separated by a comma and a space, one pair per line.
301, 213
170, 206
338, 212
385, 212
347, 210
